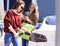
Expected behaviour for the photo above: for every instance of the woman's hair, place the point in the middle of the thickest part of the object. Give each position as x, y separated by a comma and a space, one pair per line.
33, 7
33, 15
17, 4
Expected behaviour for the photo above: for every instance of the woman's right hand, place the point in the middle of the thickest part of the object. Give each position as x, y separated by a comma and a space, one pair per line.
16, 35
13, 31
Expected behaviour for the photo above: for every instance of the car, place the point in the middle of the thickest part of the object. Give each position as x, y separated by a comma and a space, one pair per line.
47, 28
49, 23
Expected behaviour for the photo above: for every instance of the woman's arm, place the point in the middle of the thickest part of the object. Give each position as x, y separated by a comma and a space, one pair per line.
8, 21
13, 31
22, 28
28, 20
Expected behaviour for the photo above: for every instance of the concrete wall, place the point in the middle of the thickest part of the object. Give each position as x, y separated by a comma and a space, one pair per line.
58, 23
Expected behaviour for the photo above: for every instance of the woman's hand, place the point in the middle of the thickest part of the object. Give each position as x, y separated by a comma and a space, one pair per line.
13, 31
16, 35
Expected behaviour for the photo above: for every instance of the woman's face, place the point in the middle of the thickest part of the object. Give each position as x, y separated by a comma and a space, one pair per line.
31, 7
20, 8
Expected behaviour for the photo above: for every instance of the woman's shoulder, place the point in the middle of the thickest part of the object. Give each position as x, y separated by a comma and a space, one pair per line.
9, 11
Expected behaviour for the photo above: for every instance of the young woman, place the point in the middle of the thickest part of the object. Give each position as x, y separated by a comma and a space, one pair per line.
12, 21
31, 19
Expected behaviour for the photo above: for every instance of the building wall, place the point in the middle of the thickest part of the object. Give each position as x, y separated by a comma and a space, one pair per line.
10, 4
46, 8
1, 9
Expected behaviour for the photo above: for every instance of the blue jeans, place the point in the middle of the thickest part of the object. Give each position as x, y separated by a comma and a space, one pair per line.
8, 37
25, 42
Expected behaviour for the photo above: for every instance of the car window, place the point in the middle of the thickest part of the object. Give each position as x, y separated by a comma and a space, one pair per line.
51, 20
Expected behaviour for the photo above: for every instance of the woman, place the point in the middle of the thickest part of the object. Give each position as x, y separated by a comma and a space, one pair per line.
31, 17
12, 22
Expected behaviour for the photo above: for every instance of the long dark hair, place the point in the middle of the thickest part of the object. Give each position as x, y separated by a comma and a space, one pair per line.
33, 15
16, 5
34, 7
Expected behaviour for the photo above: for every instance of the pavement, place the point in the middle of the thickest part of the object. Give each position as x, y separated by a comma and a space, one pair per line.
50, 42
2, 41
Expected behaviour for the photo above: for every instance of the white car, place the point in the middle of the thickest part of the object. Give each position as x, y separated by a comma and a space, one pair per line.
49, 24
47, 28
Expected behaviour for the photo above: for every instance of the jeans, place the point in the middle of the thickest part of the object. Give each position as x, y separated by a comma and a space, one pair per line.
8, 37
25, 42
